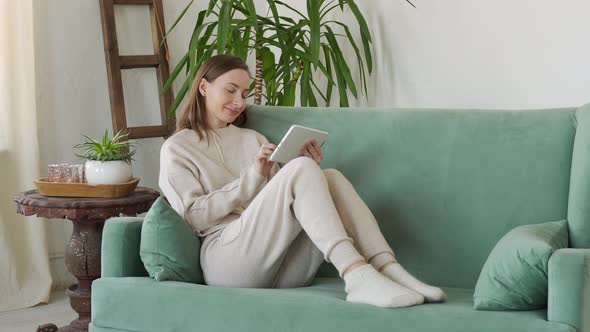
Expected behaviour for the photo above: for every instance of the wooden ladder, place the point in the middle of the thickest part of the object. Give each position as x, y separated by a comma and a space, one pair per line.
116, 62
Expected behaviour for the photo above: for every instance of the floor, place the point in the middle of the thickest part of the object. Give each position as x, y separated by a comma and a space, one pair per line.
58, 312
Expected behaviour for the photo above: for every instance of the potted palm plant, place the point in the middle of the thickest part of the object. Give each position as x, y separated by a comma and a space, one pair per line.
290, 50
108, 161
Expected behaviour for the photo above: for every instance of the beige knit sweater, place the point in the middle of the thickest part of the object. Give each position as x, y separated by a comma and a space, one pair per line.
211, 183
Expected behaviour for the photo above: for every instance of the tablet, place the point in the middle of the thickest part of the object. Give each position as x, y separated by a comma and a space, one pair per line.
297, 135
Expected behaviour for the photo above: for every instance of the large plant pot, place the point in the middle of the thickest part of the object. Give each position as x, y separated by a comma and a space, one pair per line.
107, 172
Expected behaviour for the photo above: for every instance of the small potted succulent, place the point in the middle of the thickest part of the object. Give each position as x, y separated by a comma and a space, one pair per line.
107, 161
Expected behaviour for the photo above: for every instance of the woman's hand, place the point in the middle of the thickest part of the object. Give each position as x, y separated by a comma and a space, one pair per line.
262, 164
312, 150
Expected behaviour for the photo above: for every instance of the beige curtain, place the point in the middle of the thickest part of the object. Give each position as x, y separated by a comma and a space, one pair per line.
25, 278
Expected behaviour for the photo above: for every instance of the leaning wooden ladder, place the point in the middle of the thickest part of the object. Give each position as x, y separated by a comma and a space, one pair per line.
116, 62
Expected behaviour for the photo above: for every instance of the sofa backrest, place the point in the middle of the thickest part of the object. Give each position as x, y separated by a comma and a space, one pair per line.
445, 185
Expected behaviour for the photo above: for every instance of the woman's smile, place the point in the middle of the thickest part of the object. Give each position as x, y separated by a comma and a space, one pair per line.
232, 112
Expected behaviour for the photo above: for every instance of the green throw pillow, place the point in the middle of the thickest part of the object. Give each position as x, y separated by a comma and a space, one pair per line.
515, 275
169, 249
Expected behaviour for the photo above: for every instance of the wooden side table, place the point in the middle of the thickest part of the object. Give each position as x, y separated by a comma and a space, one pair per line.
83, 251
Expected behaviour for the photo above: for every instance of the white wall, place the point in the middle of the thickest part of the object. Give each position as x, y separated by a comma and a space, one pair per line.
478, 54
454, 53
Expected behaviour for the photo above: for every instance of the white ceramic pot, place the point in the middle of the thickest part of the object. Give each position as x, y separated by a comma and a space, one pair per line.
107, 172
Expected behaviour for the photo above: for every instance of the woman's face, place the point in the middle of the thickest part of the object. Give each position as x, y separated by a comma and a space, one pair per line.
225, 97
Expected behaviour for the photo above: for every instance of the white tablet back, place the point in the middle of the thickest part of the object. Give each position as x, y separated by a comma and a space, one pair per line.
297, 135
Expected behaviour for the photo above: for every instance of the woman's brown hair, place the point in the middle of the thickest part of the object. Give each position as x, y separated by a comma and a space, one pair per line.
194, 114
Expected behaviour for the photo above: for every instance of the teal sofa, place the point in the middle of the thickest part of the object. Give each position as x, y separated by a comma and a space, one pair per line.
445, 186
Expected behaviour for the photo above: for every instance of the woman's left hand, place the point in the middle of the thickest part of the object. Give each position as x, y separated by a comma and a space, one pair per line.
312, 150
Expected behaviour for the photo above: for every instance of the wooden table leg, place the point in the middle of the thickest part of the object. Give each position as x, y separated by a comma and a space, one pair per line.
47, 328
83, 261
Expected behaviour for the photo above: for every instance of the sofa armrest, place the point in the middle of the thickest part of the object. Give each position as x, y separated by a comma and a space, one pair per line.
569, 288
120, 248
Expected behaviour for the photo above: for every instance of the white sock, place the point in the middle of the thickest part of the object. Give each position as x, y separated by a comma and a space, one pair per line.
366, 285
397, 273
344, 255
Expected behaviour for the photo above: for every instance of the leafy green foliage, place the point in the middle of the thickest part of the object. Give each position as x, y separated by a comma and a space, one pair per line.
107, 149
294, 50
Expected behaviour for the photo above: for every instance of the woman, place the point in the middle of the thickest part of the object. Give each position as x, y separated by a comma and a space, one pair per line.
266, 228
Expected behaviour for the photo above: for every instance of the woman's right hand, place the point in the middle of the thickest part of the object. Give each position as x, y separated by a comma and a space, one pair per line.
262, 164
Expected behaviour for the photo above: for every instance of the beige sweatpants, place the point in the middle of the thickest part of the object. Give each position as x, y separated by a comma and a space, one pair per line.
288, 230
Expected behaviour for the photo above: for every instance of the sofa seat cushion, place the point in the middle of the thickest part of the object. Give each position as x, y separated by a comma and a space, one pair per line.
143, 304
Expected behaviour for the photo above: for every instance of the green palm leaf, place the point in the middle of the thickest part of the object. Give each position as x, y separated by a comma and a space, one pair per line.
223, 29
365, 34
313, 10
249, 4
179, 97
341, 81
183, 62
358, 55
176, 21
340, 63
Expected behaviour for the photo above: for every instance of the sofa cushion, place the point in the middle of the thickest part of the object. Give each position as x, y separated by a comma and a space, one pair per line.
515, 275
169, 249
142, 304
